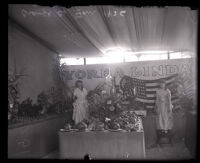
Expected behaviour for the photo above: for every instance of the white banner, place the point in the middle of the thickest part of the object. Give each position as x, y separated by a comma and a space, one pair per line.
92, 75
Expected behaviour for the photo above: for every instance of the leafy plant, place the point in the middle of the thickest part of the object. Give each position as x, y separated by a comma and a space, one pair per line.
13, 91
42, 100
28, 109
60, 81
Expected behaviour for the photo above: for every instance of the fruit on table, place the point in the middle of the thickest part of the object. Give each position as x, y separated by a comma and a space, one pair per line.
114, 125
99, 126
95, 124
81, 126
67, 126
128, 120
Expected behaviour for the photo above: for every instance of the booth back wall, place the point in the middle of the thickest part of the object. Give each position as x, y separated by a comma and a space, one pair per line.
92, 75
28, 56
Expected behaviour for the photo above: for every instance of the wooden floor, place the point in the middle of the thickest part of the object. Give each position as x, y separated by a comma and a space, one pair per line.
176, 152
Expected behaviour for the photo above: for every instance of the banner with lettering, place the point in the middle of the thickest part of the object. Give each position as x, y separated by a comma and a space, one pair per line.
142, 77
92, 75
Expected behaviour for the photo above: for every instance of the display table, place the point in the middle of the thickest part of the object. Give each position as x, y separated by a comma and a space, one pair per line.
102, 145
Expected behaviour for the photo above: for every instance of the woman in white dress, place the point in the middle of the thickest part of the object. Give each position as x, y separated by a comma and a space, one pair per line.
80, 104
164, 118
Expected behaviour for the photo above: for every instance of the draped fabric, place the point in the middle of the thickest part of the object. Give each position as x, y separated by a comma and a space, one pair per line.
95, 29
164, 119
146, 28
80, 105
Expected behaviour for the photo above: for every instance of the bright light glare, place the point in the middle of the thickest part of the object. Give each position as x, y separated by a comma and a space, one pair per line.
187, 54
151, 52
131, 58
112, 55
117, 55
102, 60
148, 57
118, 52
176, 55
115, 50
72, 61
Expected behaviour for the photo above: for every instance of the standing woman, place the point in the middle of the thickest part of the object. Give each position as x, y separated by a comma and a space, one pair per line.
80, 103
164, 118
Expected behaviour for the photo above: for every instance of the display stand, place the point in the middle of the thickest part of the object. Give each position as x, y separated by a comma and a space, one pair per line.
102, 145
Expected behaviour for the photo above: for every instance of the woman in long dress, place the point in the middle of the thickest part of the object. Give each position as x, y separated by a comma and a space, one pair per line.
80, 105
164, 118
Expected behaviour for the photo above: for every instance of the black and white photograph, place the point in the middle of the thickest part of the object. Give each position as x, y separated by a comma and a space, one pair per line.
102, 82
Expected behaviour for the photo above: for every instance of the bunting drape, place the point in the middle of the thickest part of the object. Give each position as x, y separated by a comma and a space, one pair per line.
95, 29
146, 28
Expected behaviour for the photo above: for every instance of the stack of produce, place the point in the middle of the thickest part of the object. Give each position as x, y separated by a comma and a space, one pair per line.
113, 125
95, 124
81, 126
67, 126
128, 120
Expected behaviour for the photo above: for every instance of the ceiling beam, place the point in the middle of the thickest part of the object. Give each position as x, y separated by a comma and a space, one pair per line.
32, 35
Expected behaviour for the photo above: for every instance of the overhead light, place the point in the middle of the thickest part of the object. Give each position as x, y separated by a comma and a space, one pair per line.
151, 52
116, 51
113, 50
121, 51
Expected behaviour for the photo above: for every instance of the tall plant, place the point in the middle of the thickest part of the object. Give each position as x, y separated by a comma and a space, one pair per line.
185, 86
61, 83
13, 89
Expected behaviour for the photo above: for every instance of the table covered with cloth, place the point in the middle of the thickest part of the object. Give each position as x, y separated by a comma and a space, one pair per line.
102, 145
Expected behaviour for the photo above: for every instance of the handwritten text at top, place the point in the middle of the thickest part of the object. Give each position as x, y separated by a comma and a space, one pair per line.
78, 13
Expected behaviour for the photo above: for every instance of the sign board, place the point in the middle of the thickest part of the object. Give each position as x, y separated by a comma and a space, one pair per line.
92, 75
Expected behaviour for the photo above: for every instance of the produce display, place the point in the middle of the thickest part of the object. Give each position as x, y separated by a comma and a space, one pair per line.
81, 126
67, 126
112, 111
96, 125
128, 120
113, 126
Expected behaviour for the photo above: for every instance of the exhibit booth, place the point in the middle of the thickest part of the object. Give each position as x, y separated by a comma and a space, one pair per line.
84, 81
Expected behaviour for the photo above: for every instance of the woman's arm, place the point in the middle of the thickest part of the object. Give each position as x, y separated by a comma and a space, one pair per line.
170, 101
75, 95
74, 98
